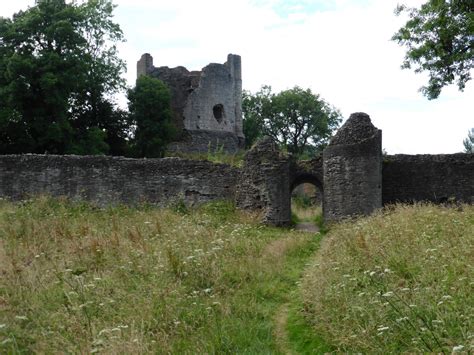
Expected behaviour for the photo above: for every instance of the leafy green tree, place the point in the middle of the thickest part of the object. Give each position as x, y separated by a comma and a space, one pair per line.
299, 120
469, 142
439, 40
58, 63
150, 112
255, 107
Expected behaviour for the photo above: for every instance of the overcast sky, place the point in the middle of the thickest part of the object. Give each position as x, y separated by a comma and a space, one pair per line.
341, 49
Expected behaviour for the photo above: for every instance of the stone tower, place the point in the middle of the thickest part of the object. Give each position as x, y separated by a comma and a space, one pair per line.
352, 169
206, 104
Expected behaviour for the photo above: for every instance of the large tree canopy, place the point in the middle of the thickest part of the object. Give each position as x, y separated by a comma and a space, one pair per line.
439, 37
58, 63
298, 119
150, 112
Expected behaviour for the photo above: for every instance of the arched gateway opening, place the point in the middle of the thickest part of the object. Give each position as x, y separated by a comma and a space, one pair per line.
306, 199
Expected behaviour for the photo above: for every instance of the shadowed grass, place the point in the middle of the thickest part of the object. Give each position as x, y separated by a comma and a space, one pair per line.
399, 281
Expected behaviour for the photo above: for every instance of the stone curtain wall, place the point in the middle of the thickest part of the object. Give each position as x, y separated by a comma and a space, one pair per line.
111, 180
435, 178
349, 174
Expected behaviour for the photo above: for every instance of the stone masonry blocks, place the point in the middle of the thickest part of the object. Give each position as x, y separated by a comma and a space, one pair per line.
264, 183
352, 165
207, 101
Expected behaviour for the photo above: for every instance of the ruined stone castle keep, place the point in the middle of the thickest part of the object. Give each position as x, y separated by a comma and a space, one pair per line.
206, 104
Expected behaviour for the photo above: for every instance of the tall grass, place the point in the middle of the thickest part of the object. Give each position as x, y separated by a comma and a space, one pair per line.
216, 155
399, 281
77, 279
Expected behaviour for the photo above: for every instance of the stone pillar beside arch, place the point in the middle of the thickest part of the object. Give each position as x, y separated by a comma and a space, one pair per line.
352, 169
264, 183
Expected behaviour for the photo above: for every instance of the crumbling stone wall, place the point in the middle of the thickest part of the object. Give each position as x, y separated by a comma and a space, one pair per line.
269, 176
111, 180
349, 174
206, 141
352, 165
264, 183
206, 104
434, 178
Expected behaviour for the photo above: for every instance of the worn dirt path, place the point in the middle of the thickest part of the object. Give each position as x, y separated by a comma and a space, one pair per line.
280, 333
277, 249
307, 227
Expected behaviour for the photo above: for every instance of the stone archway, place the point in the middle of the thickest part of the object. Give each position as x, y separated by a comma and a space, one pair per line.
302, 173
268, 177
349, 172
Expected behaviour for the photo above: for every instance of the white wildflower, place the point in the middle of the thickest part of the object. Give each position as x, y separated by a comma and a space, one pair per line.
106, 330
402, 319
457, 348
372, 273
3, 326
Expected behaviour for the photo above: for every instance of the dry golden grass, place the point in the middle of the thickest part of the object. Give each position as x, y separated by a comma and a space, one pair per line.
399, 281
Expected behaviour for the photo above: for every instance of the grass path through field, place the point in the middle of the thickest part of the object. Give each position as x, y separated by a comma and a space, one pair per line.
80, 279
280, 332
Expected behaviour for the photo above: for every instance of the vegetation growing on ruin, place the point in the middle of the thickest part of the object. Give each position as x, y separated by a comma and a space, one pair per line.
216, 155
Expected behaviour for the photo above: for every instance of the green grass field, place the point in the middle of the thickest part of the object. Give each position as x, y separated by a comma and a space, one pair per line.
78, 279
127, 280
399, 281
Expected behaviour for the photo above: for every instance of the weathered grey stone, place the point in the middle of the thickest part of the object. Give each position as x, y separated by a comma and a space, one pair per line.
209, 100
353, 170
349, 176
268, 176
112, 180
204, 141
264, 183
434, 178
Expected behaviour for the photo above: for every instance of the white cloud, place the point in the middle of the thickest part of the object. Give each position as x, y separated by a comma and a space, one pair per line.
342, 52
